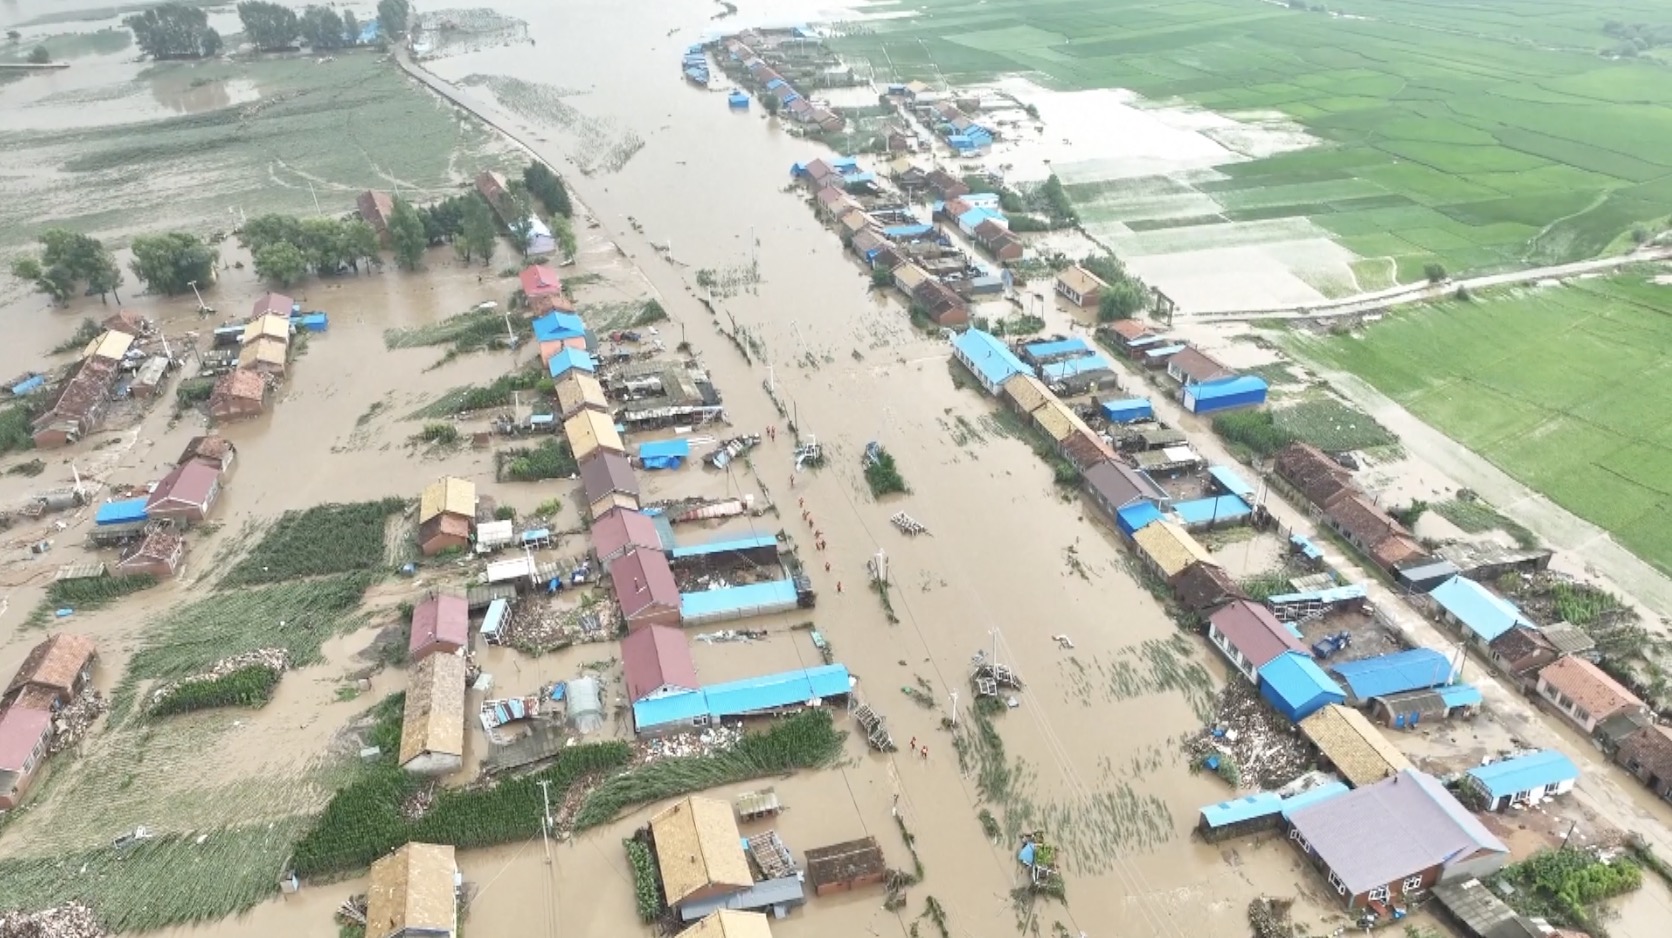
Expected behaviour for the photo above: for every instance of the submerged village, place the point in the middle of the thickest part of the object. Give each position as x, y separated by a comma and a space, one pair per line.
470, 564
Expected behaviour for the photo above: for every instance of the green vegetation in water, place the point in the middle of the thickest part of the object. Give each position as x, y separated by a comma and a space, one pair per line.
1262, 586
804, 741
499, 393
550, 459
883, 476
1564, 887
1474, 516
472, 331
647, 882
252, 686
15, 431
87, 594
83, 334
437, 435
29, 468
191, 392
325, 539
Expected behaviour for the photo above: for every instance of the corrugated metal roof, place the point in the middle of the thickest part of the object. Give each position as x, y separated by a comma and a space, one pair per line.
1134, 518
1461, 695
1313, 796
1210, 510
721, 546
737, 601
1251, 629
1356, 748
1231, 482
569, 359
1259, 804
1125, 411
1063, 370
111, 345
1484, 614
677, 708
1229, 387
556, 326
123, 512
1059, 347
771, 691
1334, 594
992, 359
21, 728
654, 657
1524, 773
664, 449
1390, 674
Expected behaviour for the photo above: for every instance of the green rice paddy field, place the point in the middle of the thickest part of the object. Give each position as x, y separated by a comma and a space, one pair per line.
1566, 389
1486, 135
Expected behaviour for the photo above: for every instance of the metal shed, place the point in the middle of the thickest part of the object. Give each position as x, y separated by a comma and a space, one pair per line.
1230, 393
1128, 410
126, 511
585, 703
737, 602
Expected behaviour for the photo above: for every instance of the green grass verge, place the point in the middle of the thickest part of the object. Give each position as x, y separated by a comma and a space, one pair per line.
324, 539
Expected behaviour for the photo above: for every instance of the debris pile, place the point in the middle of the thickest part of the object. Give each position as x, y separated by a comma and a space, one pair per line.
70, 920
534, 625
1270, 918
732, 635
709, 741
276, 660
417, 804
70, 724
1266, 749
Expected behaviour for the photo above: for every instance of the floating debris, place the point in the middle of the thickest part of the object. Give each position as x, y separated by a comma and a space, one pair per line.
70, 920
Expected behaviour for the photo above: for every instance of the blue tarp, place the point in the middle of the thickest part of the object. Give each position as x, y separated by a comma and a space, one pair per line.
737, 602
314, 321
1307, 549
495, 619
555, 327
769, 692
122, 512
1295, 685
570, 359
1530, 772
1068, 368
1461, 695
1313, 796
907, 231
1330, 596
753, 542
1133, 518
1126, 411
676, 708
737, 99
29, 385
1057, 349
1231, 482
1483, 614
1211, 510
534, 535
664, 454
1417, 669
992, 360
1258, 805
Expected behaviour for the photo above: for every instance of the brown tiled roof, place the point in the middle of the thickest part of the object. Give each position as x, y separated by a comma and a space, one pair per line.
1587, 686
1520, 644
1358, 750
1204, 585
1252, 629
1360, 517
54, 663
697, 848
1397, 551
412, 892
248, 385
1129, 329
1651, 748
1312, 472
214, 448
1197, 365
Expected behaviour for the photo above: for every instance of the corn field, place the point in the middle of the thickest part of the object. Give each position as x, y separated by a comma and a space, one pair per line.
334, 538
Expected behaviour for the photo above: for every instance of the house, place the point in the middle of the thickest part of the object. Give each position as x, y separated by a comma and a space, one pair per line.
540, 281
128, 322
78, 409
1025, 393
493, 187
238, 394
820, 175
440, 625
590, 432
1222, 394
1203, 586
432, 728
1193, 366
1348, 741
608, 481
375, 209
570, 359
413, 893
1296, 687
25, 733
446, 510
1521, 652
730, 923
1523, 780
620, 530
1360, 521
645, 588
1080, 286
853, 221
656, 662
186, 494
908, 277
833, 203
846, 866
1168, 548
1118, 489
944, 185
214, 450
1584, 694
998, 240
265, 355
1129, 336
275, 303
1423, 836
1248, 635
108, 348
1398, 551
1647, 754
1413, 669
53, 673
943, 306
1408, 709
1479, 613
1311, 473
158, 554
699, 851
267, 326
1569, 639
578, 391
988, 359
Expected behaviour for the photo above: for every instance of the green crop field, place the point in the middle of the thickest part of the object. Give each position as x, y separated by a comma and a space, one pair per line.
1565, 388
1485, 136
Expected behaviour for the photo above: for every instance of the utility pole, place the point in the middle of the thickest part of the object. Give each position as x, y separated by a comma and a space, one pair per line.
546, 820
954, 708
316, 208
200, 303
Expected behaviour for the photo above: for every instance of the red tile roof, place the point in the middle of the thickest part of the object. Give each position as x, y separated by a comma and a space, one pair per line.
1651, 748
620, 529
1587, 686
1251, 629
241, 383
643, 579
189, 484
654, 657
440, 619
1197, 365
275, 303
540, 280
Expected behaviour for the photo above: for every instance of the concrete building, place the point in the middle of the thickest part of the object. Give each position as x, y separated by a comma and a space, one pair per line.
1523, 780
440, 625
25, 733
1581, 692
446, 512
53, 673
1249, 636
1080, 286
432, 727
238, 394
187, 494
1647, 755
699, 851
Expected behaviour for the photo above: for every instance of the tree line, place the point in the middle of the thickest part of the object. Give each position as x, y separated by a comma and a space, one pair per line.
166, 263
1126, 295
286, 249
179, 31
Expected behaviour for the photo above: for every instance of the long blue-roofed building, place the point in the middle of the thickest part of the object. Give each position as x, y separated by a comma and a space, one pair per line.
988, 358
1128, 410
126, 511
1416, 669
1524, 780
755, 696
737, 602
1041, 352
1240, 817
1476, 610
753, 550
1225, 394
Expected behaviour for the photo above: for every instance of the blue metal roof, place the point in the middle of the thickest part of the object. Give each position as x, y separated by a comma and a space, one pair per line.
1059, 347
1231, 482
1214, 508
1486, 615
977, 215
1260, 804
719, 547
737, 601
1296, 686
122, 512
1229, 387
1307, 549
1525, 773
1417, 669
1461, 695
555, 327
1126, 411
680, 448
1136, 516
569, 359
768, 692
1312, 796
29, 385
991, 357
906, 231
1063, 370
675, 708
495, 619
1334, 594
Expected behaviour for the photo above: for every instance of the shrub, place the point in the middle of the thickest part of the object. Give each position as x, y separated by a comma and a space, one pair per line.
883, 476
1255, 429
437, 434
246, 687
552, 459
647, 884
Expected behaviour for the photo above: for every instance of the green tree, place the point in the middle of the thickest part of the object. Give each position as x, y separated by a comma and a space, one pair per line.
522, 219
393, 17
478, 234
359, 243
321, 242
1434, 272
174, 31
270, 26
283, 264
39, 56
263, 230
322, 29
406, 234
351, 28
1121, 300
55, 282
564, 234
545, 185
170, 263
66, 260
881, 277
106, 278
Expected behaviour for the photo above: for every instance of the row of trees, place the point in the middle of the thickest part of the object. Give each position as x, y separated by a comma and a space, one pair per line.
67, 261
174, 31
274, 26
286, 249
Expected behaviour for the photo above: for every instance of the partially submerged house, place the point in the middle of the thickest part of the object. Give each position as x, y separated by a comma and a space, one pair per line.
25, 733
1349, 742
1647, 755
845, 866
645, 588
265, 355
1521, 652
1584, 693
988, 358
375, 208
159, 553
187, 494
440, 625
1400, 671
541, 285
699, 851
1167, 548
413, 893
579, 391
78, 408
656, 662
1296, 687
730, 923
621, 530
432, 728
1128, 496
238, 394
590, 432
607, 482
446, 511
1080, 286
1203, 586
213, 450
1480, 614
1421, 836
1193, 366
276, 304
53, 673
1249, 636
1523, 780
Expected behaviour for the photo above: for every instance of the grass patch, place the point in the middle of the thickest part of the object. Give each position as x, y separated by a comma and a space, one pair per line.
463, 333
1254, 430
1564, 887
437, 434
324, 539
1262, 586
550, 459
252, 686
468, 398
808, 739
87, 594
1474, 516
883, 476
1331, 425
